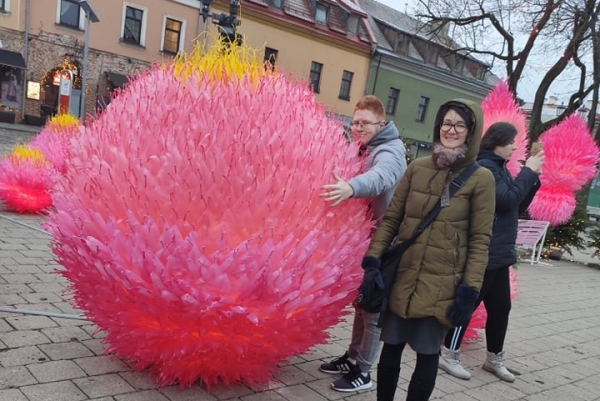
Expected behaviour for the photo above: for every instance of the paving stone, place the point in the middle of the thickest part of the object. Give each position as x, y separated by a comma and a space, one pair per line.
22, 356
93, 331
139, 380
30, 322
71, 350
300, 392
15, 339
266, 396
12, 395
55, 371
14, 289
57, 391
97, 365
147, 395
94, 345
105, 385
65, 334
194, 393
52, 287
290, 375
20, 278
40, 297
4, 326
14, 377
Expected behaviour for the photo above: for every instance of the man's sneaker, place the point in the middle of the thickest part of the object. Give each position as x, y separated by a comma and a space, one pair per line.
353, 381
340, 364
495, 364
450, 362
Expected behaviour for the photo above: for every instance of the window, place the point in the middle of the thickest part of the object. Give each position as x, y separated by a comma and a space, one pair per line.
315, 75
321, 13
271, 57
276, 3
172, 39
2, 5
345, 85
69, 13
352, 24
392, 101
423, 103
132, 29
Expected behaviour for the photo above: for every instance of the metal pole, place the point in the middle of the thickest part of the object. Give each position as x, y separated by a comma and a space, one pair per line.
85, 67
26, 56
42, 313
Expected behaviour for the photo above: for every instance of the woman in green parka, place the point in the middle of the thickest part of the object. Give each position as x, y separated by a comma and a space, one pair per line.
440, 274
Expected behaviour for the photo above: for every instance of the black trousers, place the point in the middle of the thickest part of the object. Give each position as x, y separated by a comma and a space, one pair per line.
421, 383
495, 295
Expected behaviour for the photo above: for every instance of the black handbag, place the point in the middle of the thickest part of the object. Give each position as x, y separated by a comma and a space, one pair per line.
376, 285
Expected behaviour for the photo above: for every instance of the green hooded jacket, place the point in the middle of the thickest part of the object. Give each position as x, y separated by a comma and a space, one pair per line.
453, 249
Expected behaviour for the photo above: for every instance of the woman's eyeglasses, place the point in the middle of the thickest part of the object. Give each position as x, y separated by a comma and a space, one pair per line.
458, 127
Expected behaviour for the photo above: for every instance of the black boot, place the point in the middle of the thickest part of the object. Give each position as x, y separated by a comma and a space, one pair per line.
387, 380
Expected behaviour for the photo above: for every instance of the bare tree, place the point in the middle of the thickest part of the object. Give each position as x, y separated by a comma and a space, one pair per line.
513, 32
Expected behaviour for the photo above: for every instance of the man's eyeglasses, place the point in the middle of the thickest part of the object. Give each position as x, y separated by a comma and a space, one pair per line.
363, 124
459, 127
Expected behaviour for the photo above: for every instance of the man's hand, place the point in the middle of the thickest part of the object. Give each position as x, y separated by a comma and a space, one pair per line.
338, 192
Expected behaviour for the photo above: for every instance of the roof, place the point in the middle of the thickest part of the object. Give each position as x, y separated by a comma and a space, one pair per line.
12, 59
300, 13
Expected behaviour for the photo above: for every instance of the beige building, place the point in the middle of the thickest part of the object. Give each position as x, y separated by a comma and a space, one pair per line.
323, 41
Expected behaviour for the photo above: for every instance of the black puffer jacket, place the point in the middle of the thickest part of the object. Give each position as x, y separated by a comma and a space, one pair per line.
513, 196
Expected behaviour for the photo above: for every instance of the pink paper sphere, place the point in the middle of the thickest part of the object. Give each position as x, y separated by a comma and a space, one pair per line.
190, 225
26, 184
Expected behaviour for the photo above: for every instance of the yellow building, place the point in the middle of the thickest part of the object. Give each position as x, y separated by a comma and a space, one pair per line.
325, 41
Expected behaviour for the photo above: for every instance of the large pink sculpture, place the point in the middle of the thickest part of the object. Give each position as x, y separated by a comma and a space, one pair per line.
500, 105
571, 158
191, 229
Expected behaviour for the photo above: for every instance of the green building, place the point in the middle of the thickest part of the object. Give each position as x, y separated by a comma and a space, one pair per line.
414, 73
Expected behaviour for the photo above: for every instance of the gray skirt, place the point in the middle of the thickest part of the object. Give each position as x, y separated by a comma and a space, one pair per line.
424, 335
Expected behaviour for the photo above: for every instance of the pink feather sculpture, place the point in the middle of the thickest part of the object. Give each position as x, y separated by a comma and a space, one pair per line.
191, 229
53, 140
26, 181
571, 158
500, 106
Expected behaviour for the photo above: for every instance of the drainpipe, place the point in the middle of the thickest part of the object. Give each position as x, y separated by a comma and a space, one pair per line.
26, 56
376, 73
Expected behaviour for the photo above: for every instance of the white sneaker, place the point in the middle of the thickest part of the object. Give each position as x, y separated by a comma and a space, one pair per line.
495, 364
450, 362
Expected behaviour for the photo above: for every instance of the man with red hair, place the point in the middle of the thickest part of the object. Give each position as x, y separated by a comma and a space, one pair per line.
386, 163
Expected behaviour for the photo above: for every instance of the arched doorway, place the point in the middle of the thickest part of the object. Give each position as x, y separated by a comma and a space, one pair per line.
50, 87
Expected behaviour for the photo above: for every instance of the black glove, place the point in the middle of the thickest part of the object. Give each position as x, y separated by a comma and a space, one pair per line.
459, 313
371, 262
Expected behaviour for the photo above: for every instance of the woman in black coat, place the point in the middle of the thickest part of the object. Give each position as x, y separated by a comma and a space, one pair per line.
513, 196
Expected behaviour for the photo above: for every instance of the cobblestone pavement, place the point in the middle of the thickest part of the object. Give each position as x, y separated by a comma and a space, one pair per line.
553, 341
10, 136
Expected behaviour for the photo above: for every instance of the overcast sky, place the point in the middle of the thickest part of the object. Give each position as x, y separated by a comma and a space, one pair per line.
562, 87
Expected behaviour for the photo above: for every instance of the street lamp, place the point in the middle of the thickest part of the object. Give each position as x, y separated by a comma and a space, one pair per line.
90, 15
226, 23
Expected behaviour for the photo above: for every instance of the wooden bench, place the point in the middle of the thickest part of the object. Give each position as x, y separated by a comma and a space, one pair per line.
532, 233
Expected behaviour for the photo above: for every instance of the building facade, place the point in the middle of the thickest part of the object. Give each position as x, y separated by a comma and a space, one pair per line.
414, 73
324, 42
